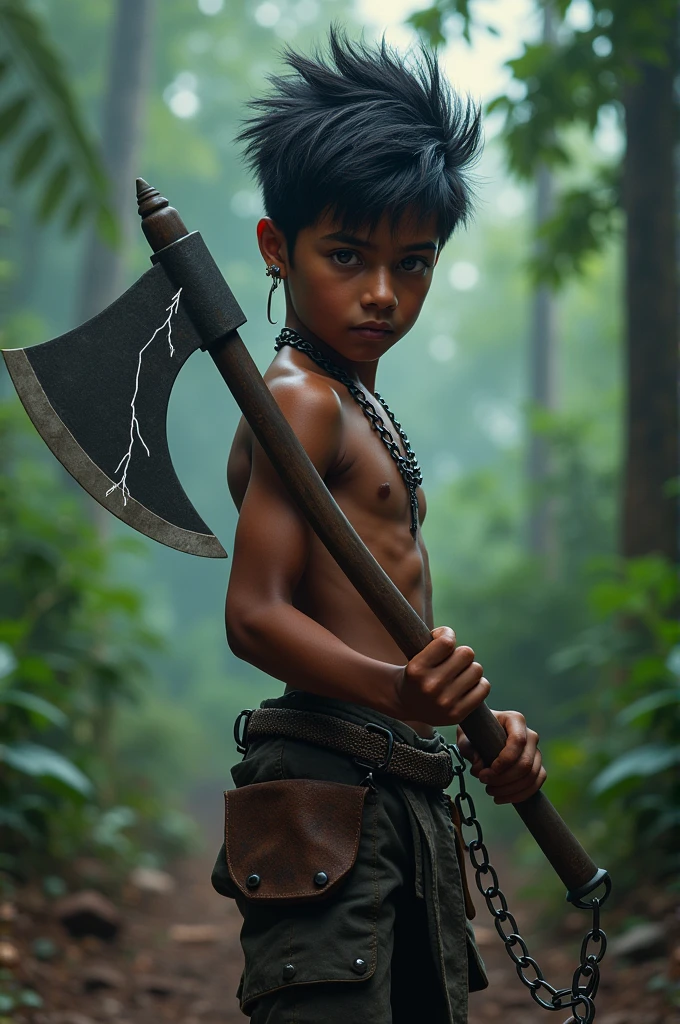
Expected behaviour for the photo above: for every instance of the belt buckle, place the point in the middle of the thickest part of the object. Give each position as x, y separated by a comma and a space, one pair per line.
241, 731
458, 763
377, 766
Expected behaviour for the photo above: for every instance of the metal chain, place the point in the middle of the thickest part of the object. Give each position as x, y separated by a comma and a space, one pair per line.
407, 464
580, 997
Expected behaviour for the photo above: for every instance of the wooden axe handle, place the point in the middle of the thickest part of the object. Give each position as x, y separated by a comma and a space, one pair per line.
272, 430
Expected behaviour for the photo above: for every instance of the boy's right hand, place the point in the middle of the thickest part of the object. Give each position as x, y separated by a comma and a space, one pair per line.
443, 683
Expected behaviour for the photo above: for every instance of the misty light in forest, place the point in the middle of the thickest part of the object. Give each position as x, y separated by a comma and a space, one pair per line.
463, 276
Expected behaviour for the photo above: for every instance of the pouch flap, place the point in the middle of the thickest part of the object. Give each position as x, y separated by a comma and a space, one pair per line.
292, 839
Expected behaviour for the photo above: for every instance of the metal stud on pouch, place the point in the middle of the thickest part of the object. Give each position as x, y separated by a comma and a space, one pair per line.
275, 273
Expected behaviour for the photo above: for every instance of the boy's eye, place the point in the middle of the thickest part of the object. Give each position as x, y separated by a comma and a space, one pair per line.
414, 263
346, 257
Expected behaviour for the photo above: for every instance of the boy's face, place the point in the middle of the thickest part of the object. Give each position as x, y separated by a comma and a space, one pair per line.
358, 292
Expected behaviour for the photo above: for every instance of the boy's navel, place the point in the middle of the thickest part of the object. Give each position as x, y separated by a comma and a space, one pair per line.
384, 491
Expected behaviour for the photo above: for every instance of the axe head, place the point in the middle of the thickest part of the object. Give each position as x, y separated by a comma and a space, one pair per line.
99, 398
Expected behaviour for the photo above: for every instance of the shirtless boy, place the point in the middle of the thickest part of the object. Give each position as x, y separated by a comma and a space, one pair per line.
362, 159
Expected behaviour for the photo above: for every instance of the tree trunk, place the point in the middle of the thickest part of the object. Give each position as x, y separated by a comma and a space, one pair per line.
650, 509
542, 358
122, 117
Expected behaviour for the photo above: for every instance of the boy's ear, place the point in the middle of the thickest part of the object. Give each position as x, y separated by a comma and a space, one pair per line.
272, 243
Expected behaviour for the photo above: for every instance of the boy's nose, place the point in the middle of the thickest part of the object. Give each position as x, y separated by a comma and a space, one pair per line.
380, 291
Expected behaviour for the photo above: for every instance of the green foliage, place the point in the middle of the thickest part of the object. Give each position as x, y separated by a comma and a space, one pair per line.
513, 609
585, 220
434, 21
72, 651
38, 113
561, 87
626, 762
35, 760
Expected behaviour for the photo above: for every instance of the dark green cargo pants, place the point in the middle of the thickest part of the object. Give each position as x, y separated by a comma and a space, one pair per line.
392, 945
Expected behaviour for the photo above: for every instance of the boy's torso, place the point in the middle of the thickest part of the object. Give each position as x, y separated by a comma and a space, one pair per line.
368, 487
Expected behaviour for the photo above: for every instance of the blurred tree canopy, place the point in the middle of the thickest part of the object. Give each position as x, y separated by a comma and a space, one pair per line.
623, 63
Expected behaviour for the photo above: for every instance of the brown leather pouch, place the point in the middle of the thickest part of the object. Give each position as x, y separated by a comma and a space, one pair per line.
294, 839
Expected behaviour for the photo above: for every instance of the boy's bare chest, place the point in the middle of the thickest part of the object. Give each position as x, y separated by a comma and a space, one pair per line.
367, 472
365, 478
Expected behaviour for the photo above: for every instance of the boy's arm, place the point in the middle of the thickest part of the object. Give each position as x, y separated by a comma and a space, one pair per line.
441, 685
270, 553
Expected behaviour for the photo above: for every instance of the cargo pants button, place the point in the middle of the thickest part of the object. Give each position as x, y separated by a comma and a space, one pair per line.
359, 966
320, 878
288, 972
252, 881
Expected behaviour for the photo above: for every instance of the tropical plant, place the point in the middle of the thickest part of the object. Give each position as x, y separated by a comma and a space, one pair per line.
72, 648
41, 119
627, 762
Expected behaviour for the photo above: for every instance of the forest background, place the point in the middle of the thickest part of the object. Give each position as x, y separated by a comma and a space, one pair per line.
539, 389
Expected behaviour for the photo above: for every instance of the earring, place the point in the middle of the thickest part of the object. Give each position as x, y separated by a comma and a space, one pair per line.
275, 273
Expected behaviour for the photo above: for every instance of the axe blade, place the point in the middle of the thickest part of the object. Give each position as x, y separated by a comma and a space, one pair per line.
98, 397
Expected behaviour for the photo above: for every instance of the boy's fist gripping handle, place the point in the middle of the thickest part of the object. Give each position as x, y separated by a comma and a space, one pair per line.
565, 853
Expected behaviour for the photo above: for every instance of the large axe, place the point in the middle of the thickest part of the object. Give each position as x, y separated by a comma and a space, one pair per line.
99, 397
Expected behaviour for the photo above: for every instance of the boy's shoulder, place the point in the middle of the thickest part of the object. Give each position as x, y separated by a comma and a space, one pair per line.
306, 398
313, 408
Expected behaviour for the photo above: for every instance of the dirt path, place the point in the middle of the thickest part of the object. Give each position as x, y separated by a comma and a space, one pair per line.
156, 972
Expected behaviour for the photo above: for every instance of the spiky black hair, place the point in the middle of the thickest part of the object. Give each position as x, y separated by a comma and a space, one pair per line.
359, 131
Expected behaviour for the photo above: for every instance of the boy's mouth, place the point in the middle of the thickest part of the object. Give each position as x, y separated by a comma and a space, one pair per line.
373, 330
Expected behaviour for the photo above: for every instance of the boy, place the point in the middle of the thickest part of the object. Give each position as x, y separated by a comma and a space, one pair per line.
362, 163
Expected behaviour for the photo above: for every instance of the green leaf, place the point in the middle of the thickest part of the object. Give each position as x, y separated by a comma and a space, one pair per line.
31, 702
8, 661
108, 228
75, 215
12, 631
35, 760
12, 114
652, 702
31, 53
641, 762
7, 1002
30, 998
14, 820
35, 669
54, 191
429, 24
31, 156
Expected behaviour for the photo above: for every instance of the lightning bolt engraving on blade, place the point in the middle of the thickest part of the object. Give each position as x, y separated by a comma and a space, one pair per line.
72, 456
121, 484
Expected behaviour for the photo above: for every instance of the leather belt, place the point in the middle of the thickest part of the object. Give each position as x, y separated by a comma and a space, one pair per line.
373, 746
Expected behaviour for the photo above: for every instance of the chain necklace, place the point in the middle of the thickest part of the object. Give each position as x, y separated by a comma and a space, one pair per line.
407, 464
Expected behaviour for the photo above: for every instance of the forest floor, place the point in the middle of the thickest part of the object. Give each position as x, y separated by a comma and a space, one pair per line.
156, 970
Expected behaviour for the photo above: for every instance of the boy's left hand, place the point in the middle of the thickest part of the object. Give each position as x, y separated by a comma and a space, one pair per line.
518, 772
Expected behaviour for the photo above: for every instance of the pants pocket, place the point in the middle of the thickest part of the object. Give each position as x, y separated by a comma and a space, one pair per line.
300, 858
